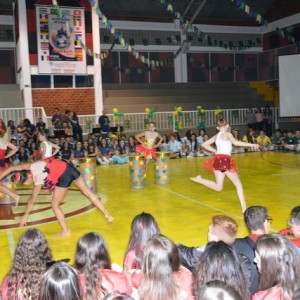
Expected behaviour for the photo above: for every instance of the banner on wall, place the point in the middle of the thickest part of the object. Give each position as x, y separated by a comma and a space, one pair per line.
59, 45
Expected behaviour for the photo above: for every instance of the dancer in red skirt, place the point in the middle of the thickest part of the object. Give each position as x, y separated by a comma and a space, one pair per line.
222, 164
148, 140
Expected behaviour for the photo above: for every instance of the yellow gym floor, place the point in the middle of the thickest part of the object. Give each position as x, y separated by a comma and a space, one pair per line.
182, 208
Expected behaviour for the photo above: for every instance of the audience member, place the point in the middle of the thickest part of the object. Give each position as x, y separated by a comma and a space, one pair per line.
294, 231
250, 119
258, 222
221, 228
60, 282
268, 121
143, 227
29, 264
279, 267
162, 276
219, 262
104, 124
93, 262
217, 290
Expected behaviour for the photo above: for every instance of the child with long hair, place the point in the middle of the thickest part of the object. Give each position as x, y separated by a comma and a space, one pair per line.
219, 262
162, 275
279, 266
93, 262
47, 148
148, 142
222, 164
60, 282
143, 227
29, 264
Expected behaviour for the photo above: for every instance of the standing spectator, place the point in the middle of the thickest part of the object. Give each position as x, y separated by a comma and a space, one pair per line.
56, 119
104, 124
41, 125
259, 116
258, 223
250, 119
77, 130
268, 121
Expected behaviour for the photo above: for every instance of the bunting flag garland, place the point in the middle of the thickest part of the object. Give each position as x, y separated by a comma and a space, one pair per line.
262, 21
202, 36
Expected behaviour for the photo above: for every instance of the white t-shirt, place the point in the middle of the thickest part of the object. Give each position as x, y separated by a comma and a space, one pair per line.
37, 170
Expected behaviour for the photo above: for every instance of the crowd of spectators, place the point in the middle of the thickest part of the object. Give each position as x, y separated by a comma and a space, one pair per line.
259, 266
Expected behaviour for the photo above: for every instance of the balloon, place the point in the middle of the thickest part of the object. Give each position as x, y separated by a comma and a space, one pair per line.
115, 110
179, 108
175, 113
203, 111
147, 110
121, 114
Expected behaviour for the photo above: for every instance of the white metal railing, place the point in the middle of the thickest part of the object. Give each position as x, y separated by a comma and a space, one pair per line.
133, 122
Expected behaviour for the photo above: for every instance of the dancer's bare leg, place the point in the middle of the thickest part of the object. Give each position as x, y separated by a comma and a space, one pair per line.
79, 182
10, 193
58, 196
235, 179
216, 186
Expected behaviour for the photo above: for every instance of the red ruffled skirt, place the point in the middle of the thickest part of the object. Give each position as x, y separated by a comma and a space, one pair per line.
220, 162
149, 153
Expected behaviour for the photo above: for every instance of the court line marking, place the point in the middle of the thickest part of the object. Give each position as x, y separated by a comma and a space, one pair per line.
11, 243
205, 204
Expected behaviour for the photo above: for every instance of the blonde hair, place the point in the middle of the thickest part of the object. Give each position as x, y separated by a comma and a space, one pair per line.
225, 228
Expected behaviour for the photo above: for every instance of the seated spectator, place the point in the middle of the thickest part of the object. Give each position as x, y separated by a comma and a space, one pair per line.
21, 157
92, 151
104, 153
192, 146
279, 267
200, 138
164, 146
11, 128
77, 153
185, 150
122, 154
236, 134
219, 262
204, 151
174, 146
249, 138
65, 152
297, 139
162, 276
35, 153
66, 128
277, 140
21, 130
132, 145
293, 233
29, 264
60, 282
143, 227
216, 290
258, 222
289, 141
263, 141
93, 262
221, 228
41, 125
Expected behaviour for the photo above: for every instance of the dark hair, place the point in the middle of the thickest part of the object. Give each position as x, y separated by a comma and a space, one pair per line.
91, 254
160, 261
19, 177
143, 227
221, 121
295, 213
255, 216
279, 264
217, 290
60, 282
219, 262
29, 264
115, 295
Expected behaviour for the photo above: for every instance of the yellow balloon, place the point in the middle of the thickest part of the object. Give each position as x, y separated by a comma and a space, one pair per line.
179, 108
147, 110
115, 110
175, 113
203, 110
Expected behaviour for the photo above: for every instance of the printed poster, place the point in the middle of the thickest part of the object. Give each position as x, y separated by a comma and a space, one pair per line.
59, 40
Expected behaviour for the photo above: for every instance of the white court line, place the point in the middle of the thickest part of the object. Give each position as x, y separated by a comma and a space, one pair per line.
204, 204
11, 243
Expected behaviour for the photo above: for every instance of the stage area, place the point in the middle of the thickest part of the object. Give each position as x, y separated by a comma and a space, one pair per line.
182, 208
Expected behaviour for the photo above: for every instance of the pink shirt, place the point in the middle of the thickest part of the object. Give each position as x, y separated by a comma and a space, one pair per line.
274, 293
259, 117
